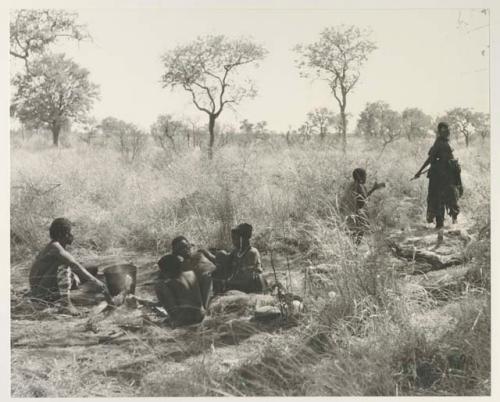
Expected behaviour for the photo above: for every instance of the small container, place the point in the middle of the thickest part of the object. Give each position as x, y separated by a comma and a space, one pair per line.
120, 278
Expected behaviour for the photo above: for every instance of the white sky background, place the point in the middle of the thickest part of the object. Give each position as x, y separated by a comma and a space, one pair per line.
423, 60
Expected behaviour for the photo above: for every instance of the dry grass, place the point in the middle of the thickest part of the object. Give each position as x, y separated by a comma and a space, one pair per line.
362, 341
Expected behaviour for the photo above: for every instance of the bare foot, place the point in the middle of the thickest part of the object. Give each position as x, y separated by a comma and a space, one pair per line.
71, 310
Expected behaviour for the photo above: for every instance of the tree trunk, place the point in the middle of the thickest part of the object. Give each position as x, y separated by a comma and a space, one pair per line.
56, 129
466, 140
343, 120
211, 127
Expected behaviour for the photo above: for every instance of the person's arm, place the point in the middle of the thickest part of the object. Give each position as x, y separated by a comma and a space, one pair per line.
166, 295
360, 196
255, 262
208, 255
426, 163
375, 187
432, 155
67, 259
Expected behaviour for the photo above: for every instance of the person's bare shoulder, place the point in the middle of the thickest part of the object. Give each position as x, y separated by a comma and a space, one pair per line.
54, 249
253, 251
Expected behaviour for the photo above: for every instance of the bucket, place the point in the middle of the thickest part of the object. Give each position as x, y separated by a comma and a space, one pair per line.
92, 270
120, 278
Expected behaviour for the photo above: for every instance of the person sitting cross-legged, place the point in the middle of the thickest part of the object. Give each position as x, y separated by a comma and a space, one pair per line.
240, 269
55, 272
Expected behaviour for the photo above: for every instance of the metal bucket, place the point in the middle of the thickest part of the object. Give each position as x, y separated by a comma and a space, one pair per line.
120, 278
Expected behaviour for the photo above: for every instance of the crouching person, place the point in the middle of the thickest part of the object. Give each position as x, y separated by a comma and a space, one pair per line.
55, 272
180, 292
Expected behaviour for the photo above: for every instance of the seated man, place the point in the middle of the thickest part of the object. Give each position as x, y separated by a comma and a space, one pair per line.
354, 204
55, 272
241, 269
179, 292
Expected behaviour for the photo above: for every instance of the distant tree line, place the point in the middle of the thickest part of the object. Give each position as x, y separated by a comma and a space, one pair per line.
53, 92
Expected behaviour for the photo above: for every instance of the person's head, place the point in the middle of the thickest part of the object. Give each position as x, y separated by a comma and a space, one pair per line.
60, 231
443, 130
359, 175
241, 234
181, 246
170, 266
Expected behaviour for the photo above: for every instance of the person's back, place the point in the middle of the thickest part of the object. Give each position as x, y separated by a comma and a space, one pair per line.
179, 292
43, 273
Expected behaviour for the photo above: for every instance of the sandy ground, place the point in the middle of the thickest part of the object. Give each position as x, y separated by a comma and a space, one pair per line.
132, 351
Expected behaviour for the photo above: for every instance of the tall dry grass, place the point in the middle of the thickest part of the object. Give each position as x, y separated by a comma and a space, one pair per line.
358, 340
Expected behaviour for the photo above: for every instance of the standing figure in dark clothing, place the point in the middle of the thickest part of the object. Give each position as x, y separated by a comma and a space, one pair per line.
445, 186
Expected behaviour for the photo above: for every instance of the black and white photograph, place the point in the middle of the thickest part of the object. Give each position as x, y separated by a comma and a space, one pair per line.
239, 199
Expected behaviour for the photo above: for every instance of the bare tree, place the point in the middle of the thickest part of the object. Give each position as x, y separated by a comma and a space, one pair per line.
207, 68
337, 58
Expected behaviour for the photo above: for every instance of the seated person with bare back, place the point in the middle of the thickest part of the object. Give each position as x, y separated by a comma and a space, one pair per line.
55, 272
183, 293
240, 269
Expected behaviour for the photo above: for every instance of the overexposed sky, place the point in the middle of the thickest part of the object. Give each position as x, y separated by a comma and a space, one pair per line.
429, 59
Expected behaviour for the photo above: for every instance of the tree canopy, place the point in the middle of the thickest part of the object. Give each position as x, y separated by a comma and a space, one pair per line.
467, 122
379, 122
56, 91
337, 58
32, 31
209, 68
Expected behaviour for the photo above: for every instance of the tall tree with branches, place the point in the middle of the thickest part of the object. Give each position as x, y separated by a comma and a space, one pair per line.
209, 69
337, 58
56, 92
33, 31
466, 122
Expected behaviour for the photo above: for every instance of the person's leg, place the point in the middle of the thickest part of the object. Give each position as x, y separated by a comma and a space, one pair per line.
206, 288
432, 200
452, 195
66, 280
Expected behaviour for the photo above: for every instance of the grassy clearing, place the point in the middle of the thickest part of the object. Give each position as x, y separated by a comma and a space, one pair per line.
369, 337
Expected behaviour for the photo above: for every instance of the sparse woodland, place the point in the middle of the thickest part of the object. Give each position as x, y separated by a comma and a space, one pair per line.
374, 324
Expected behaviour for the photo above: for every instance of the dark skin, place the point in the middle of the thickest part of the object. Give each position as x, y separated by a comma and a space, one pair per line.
61, 243
182, 298
184, 250
443, 132
361, 179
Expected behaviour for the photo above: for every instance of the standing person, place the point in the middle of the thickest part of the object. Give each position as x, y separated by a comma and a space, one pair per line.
354, 204
445, 186
55, 272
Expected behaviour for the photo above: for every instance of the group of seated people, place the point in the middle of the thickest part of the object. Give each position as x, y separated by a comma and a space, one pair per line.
186, 283
187, 280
